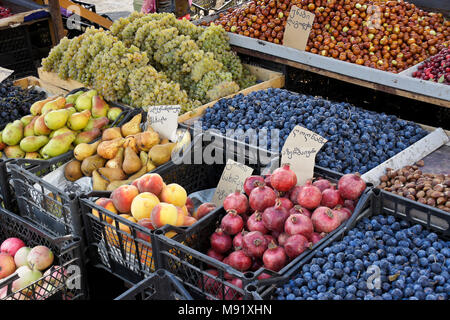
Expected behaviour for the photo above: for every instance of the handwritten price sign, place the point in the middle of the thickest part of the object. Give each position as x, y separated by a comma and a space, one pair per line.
164, 120
298, 27
300, 152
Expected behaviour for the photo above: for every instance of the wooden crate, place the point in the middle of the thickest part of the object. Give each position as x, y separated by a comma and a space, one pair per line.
270, 79
52, 77
33, 81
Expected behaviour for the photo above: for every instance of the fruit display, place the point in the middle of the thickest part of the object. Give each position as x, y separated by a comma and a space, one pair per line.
410, 182
386, 35
277, 220
122, 155
32, 265
15, 102
382, 258
358, 140
436, 68
56, 125
5, 12
152, 60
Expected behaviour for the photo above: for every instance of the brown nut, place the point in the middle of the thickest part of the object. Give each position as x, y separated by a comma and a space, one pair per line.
420, 163
431, 202
440, 200
420, 194
438, 187
437, 194
422, 200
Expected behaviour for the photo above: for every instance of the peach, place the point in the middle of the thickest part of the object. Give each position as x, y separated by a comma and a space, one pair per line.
146, 223
123, 197
112, 237
203, 210
7, 265
164, 213
175, 194
184, 220
40, 258
151, 182
108, 205
190, 206
143, 204
184, 210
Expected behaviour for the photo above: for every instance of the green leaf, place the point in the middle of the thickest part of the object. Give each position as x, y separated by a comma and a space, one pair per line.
441, 79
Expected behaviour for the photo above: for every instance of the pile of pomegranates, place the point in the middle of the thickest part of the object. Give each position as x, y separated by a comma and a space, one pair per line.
276, 220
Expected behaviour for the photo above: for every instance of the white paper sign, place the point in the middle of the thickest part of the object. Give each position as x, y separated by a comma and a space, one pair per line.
4, 73
164, 120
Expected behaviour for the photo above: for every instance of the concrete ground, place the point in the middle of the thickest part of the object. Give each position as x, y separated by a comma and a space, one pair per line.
113, 8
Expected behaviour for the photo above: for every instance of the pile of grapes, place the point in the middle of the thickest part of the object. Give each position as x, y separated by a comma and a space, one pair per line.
153, 59
15, 102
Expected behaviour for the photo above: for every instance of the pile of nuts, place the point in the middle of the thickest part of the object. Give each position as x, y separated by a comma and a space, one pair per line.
410, 182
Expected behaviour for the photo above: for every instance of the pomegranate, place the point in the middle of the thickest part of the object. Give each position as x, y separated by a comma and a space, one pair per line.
310, 196
349, 204
298, 224
286, 203
283, 179
316, 237
239, 260
330, 197
263, 276
351, 186
256, 265
11, 245
295, 245
294, 193
275, 234
298, 209
324, 220
274, 217
226, 275
236, 201
254, 244
237, 240
220, 241
342, 212
274, 258
250, 183
322, 184
244, 218
282, 238
267, 180
232, 223
270, 238
262, 197
255, 223
228, 292
209, 284
215, 255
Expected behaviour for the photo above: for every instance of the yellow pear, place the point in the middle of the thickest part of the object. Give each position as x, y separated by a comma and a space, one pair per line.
84, 150
111, 134
133, 126
130, 141
131, 162
108, 149
161, 153
112, 173
98, 182
116, 162
146, 140
72, 170
92, 163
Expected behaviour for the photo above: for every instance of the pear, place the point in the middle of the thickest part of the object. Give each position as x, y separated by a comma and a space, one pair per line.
79, 120
26, 119
114, 113
71, 98
32, 155
146, 140
60, 131
131, 162
98, 183
71, 110
2, 144
108, 149
57, 145
72, 170
112, 173
84, 101
14, 152
144, 158
130, 141
13, 133
111, 134
56, 104
87, 136
56, 119
161, 153
133, 126
33, 143
84, 150
99, 107
113, 185
150, 165
40, 128
98, 123
116, 162
36, 107
92, 163
29, 128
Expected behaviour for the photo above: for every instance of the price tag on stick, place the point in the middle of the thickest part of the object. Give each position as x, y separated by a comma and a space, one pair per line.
300, 151
232, 179
4, 73
164, 120
298, 26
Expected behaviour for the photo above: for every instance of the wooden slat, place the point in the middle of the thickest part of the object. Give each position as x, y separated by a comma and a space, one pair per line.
85, 13
57, 24
33, 81
52, 78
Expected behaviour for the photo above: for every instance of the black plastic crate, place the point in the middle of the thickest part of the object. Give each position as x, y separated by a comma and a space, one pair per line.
67, 252
184, 255
161, 285
435, 221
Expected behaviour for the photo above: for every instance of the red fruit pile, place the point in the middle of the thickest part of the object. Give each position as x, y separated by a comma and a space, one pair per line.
5, 12
437, 68
282, 220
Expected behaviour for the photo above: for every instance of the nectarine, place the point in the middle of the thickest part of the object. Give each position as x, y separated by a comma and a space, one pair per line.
151, 182
108, 205
164, 213
175, 194
203, 210
143, 204
7, 265
123, 196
